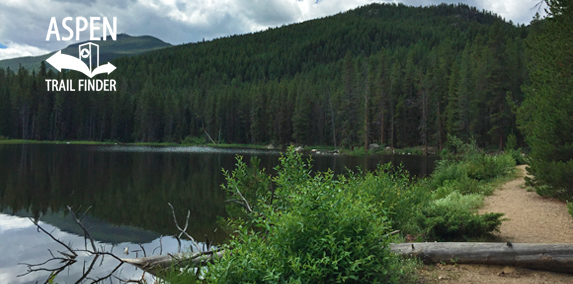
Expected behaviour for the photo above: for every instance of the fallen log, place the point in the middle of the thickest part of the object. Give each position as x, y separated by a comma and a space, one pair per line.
538, 256
157, 263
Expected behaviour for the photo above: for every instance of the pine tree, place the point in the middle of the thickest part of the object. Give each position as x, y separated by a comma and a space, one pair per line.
451, 111
301, 118
545, 115
350, 104
497, 85
395, 89
462, 125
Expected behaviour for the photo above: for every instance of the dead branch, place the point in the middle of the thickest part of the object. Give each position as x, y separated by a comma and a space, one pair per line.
392, 233
239, 202
157, 263
37, 223
86, 233
246, 203
68, 257
86, 273
184, 230
108, 275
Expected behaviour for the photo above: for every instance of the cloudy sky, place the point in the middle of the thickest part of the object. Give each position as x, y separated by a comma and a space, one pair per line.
24, 23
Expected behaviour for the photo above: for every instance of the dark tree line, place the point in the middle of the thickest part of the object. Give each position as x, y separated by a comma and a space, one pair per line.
546, 115
391, 74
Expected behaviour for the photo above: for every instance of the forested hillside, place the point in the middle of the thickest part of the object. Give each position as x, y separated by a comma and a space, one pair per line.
392, 74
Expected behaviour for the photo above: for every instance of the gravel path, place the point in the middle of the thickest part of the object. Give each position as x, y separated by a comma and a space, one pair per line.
532, 219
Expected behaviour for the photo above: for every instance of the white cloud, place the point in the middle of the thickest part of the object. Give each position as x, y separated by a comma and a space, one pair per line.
14, 50
9, 222
25, 22
518, 11
311, 9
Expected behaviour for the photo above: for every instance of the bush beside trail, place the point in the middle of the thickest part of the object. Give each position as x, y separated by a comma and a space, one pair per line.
303, 227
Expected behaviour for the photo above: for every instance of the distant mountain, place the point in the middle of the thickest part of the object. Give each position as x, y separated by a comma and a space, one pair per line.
125, 45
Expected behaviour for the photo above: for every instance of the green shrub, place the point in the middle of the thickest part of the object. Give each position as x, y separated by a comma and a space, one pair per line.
304, 227
464, 185
570, 208
316, 230
511, 143
486, 167
454, 218
554, 178
393, 189
516, 155
448, 170
512, 150
545, 190
175, 275
457, 201
254, 185
455, 148
477, 166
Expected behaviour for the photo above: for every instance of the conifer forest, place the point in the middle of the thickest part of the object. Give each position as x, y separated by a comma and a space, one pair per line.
391, 74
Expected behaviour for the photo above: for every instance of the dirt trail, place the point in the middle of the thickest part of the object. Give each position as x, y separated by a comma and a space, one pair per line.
532, 219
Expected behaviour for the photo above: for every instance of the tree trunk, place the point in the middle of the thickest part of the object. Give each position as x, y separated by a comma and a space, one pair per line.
332, 119
382, 122
366, 116
548, 257
392, 126
439, 120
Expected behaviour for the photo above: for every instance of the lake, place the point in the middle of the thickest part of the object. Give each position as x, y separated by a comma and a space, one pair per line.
127, 190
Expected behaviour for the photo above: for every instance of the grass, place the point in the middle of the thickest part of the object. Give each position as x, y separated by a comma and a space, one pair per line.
501, 180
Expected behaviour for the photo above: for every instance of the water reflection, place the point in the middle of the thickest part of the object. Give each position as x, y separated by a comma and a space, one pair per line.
128, 188
22, 243
123, 188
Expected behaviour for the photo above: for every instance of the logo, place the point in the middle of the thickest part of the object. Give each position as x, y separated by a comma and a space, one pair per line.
63, 61
87, 61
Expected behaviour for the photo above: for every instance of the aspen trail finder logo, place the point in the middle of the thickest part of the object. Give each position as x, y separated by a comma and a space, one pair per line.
63, 61
87, 61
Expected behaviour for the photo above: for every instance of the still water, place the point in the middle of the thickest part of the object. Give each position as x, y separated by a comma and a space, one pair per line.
127, 190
